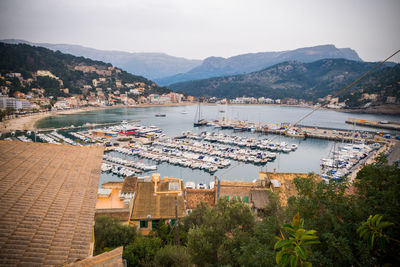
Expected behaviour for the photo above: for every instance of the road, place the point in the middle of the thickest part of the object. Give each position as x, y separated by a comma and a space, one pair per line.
395, 154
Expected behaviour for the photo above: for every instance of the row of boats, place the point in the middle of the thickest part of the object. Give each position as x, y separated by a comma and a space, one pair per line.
343, 159
23, 138
80, 136
117, 170
130, 163
219, 150
126, 128
63, 138
47, 138
253, 143
176, 157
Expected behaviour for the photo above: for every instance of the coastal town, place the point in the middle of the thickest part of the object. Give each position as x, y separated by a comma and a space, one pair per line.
97, 94
117, 168
199, 133
92, 95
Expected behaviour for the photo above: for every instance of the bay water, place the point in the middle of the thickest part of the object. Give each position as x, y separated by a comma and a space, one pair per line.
180, 118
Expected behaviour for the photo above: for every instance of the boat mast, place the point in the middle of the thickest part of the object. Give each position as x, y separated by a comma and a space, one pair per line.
197, 115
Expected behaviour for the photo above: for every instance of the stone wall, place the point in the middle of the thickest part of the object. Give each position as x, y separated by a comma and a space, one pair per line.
234, 191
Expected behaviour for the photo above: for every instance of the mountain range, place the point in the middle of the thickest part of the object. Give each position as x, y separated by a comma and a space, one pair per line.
218, 66
149, 65
166, 70
294, 79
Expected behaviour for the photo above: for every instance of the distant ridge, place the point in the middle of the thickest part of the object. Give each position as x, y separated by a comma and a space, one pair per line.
166, 70
297, 80
218, 66
149, 65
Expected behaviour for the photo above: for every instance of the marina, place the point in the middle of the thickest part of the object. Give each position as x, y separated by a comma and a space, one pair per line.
232, 149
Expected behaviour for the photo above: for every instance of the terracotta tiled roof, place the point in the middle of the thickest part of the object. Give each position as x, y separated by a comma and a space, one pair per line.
48, 197
159, 206
238, 184
112, 258
129, 185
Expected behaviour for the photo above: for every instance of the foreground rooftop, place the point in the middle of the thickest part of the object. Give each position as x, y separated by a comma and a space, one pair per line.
48, 197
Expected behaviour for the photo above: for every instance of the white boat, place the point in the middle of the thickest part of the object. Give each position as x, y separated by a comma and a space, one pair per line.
201, 186
190, 185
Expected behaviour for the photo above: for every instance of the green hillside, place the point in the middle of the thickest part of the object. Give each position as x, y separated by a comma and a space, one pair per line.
27, 60
307, 81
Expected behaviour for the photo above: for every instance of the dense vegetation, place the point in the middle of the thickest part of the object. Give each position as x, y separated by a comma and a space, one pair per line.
27, 60
307, 81
384, 83
229, 234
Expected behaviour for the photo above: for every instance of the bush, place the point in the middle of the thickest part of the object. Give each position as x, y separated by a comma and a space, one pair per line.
142, 251
110, 233
172, 256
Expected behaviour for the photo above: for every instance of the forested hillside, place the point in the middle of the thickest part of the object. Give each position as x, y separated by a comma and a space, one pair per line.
66, 71
308, 81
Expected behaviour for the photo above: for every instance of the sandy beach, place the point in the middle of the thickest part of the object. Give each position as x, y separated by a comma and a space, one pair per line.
28, 122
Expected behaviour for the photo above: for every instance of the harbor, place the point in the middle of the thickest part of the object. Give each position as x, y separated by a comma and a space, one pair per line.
132, 149
234, 149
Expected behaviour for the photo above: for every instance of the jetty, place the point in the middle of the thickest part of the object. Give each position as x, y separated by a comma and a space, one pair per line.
389, 125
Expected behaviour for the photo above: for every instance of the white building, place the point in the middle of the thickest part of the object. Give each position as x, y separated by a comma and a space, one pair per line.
10, 102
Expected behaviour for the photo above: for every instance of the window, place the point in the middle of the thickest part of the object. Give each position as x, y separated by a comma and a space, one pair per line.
154, 224
144, 224
246, 199
227, 198
172, 222
239, 198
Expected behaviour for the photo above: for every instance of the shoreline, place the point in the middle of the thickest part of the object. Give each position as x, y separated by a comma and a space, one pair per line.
378, 110
29, 122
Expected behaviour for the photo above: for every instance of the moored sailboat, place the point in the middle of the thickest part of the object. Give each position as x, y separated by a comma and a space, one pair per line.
198, 122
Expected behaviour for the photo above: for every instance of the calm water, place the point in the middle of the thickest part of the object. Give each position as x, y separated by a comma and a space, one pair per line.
305, 159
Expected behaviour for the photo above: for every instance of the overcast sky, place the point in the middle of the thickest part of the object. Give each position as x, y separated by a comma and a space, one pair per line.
201, 28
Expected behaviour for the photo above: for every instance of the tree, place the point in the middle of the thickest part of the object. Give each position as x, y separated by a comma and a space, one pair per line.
2, 114
165, 233
142, 251
373, 231
110, 233
215, 232
294, 247
170, 256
